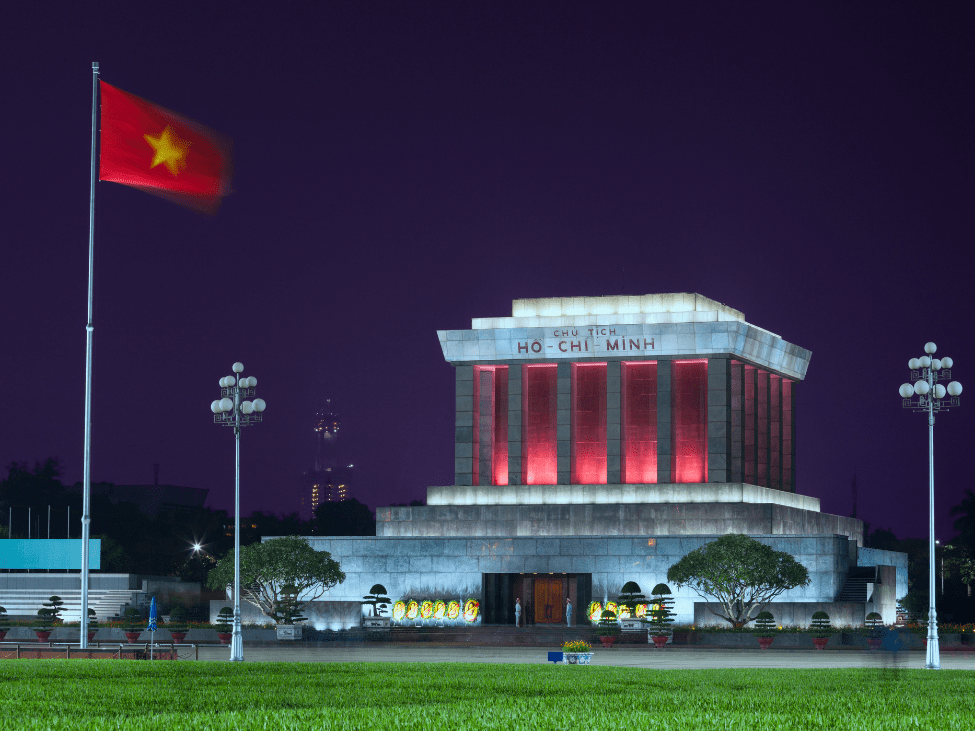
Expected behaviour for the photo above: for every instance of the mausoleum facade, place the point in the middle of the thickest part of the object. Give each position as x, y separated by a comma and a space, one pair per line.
597, 441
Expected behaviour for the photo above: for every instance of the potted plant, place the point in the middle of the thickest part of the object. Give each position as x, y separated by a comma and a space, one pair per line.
765, 629
874, 624
378, 602
609, 630
225, 624
131, 621
3, 621
92, 624
53, 605
177, 618
820, 629
661, 615
627, 602
287, 614
576, 652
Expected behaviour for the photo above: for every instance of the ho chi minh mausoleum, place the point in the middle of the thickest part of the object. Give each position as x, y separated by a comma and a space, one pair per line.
597, 441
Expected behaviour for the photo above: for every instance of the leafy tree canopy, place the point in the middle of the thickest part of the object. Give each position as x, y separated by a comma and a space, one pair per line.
275, 569
739, 573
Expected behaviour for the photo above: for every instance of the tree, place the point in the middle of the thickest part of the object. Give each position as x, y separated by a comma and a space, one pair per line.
965, 525
742, 574
275, 569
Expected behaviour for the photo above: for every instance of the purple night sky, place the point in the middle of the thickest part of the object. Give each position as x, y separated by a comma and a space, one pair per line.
403, 167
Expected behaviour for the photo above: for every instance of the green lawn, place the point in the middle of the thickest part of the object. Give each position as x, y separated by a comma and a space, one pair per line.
123, 694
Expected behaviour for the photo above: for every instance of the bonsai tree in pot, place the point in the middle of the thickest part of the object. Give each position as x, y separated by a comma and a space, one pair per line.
177, 618
765, 629
132, 621
874, 625
379, 602
49, 614
661, 615
92, 624
820, 629
225, 623
609, 630
627, 602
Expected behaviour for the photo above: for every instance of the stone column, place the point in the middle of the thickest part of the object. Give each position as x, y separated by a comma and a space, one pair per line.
563, 445
485, 410
664, 421
613, 422
719, 419
514, 424
464, 425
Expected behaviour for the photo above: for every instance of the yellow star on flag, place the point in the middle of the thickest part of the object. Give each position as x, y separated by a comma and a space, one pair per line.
170, 150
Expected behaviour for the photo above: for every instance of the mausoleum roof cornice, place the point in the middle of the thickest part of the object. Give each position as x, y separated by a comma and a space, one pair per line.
622, 327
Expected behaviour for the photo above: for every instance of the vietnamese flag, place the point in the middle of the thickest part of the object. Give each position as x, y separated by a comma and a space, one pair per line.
153, 149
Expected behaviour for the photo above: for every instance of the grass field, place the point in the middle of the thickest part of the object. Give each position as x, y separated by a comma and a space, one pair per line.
121, 694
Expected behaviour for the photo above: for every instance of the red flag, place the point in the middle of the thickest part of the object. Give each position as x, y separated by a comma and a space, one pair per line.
153, 149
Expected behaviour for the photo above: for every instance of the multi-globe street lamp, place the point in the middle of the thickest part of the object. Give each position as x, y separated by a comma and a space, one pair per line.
232, 410
931, 397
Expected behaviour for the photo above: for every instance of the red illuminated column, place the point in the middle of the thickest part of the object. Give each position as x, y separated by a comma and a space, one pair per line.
639, 415
788, 435
689, 404
588, 424
736, 465
539, 424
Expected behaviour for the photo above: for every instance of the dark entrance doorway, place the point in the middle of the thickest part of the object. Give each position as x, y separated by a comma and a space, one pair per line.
549, 600
543, 597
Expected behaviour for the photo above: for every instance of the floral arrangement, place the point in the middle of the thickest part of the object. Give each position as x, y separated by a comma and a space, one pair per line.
624, 612
641, 611
399, 610
576, 646
471, 609
439, 609
453, 609
426, 609
595, 609
611, 606
412, 609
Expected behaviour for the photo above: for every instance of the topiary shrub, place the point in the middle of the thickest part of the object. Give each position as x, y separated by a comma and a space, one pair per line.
608, 627
132, 619
820, 626
765, 624
629, 597
225, 620
874, 624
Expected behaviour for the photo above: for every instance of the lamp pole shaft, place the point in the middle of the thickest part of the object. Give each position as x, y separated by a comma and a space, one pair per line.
933, 660
237, 641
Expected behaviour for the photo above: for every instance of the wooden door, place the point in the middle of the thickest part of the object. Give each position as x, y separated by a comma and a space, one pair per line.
548, 600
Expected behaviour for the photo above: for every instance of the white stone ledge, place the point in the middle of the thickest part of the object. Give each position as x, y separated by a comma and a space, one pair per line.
705, 492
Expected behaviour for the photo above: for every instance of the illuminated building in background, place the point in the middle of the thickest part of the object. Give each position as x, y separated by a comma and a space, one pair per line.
598, 440
329, 479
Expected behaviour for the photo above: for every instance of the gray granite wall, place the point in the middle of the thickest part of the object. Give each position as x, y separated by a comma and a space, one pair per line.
664, 433
621, 519
514, 425
563, 444
453, 567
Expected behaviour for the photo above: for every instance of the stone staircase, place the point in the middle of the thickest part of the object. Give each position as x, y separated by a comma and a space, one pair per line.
859, 584
105, 602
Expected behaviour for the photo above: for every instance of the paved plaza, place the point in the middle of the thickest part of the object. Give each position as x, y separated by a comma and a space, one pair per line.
642, 657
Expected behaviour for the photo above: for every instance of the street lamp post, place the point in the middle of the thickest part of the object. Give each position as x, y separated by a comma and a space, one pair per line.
232, 410
932, 397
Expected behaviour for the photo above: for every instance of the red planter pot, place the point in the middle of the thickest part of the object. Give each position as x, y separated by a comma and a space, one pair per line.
765, 642
225, 637
133, 636
178, 636
820, 642
91, 634
608, 641
42, 634
3, 633
659, 640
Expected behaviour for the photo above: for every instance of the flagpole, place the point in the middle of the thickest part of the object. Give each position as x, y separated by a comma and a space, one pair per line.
89, 329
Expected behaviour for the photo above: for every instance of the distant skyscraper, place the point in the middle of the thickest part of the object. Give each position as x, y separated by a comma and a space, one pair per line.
328, 479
